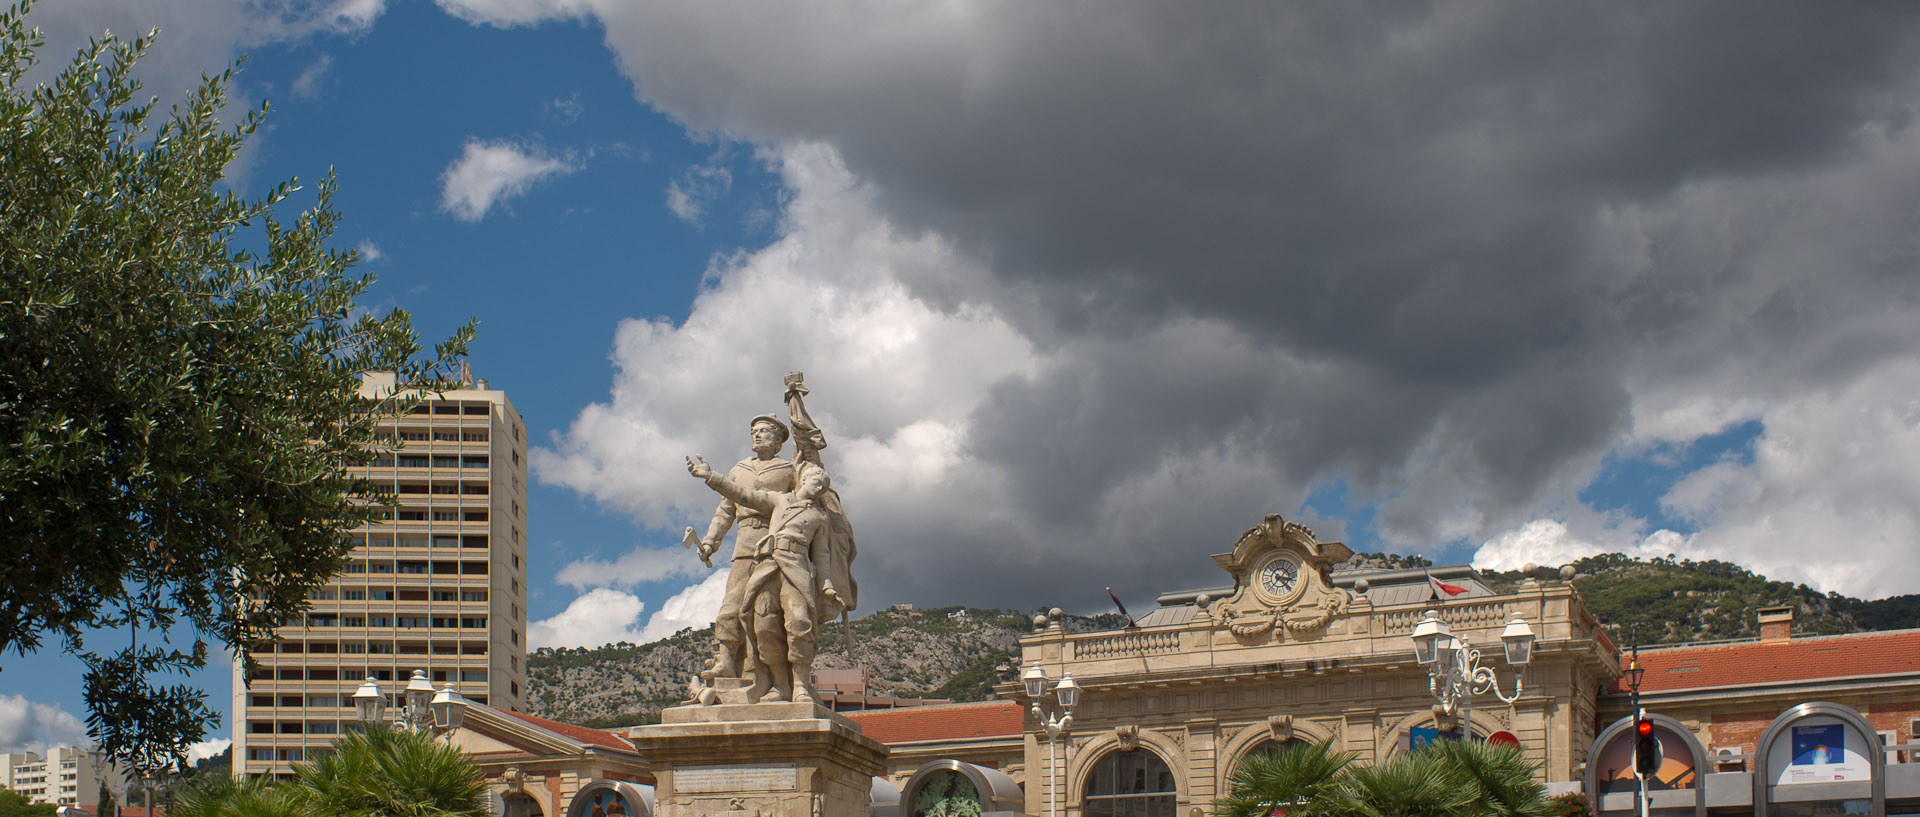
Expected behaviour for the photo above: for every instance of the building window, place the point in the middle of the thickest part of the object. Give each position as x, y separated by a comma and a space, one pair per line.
1130, 784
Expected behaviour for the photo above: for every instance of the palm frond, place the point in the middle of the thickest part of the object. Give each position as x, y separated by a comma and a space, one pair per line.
1296, 776
1414, 784
1500, 776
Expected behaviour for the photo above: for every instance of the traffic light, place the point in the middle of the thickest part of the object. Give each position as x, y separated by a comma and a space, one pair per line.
1646, 748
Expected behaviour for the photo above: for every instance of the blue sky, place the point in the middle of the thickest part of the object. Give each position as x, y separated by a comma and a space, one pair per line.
1085, 289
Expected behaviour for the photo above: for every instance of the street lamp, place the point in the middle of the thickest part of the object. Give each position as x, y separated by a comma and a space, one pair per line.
1454, 674
425, 711
1056, 720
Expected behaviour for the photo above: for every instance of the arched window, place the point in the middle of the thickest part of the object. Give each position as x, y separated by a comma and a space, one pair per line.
1269, 745
1129, 784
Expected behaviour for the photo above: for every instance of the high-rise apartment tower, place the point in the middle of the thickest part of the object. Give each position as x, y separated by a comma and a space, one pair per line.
441, 586
67, 776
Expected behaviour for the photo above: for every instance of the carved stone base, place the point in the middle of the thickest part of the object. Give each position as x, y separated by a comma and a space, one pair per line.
759, 760
723, 691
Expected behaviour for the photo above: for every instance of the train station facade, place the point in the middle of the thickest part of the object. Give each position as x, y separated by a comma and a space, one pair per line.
1290, 647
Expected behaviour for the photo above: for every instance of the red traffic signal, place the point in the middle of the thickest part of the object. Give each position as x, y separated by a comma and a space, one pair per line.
1646, 748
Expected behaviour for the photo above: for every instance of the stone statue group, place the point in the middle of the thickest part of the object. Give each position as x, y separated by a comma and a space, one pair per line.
792, 561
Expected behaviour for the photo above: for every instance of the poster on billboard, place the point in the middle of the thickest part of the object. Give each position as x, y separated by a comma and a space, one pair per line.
1676, 770
1420, 737
1819, 749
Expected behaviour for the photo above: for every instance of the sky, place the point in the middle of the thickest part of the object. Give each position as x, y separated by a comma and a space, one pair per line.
1085, 289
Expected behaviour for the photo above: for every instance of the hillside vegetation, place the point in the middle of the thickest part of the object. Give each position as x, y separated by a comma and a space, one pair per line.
1671, 601
908, 653
960, 653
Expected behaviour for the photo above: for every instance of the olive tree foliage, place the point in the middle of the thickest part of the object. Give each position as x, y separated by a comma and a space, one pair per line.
179, 390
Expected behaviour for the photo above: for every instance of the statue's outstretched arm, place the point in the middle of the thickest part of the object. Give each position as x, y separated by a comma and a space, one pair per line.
730, 491
762, 501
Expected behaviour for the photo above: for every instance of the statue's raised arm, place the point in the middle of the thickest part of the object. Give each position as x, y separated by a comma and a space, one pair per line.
807, 437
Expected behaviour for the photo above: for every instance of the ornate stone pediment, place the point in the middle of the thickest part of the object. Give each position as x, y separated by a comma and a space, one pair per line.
1281, 582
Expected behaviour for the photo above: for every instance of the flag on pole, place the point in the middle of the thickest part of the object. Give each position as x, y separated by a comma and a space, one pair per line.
1442, 590
1122, 607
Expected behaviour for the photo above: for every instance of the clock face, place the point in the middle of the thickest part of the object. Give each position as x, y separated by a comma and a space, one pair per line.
1279, 575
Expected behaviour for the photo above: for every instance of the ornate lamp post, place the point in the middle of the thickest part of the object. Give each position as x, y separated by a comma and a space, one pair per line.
425, 711
1058, 720
1454, 674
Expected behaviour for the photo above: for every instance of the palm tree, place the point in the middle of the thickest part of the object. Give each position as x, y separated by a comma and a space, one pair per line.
221, 795
1499, 776
1410, 784
382, 772
1296, 777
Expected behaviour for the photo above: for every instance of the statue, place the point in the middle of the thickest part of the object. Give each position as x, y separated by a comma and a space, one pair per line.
765, 471
798, 574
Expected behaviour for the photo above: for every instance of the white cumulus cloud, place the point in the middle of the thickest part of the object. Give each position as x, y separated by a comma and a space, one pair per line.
1550, 542
207, 748
489, 173
607, 616
31, 726
601, 616
637, 566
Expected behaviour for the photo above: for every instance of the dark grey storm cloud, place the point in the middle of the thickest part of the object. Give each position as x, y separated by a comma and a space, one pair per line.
1468, 247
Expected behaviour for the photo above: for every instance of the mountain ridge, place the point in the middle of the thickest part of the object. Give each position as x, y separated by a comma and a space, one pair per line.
960, 652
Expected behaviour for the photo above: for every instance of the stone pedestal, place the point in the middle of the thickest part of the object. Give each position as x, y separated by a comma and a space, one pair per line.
759, 760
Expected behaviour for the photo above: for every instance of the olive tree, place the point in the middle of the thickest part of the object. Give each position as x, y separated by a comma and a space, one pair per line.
179, 389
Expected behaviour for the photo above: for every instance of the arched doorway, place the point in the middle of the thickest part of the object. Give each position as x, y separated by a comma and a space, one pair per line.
521, 804
612, 798
1135, 783
946, 787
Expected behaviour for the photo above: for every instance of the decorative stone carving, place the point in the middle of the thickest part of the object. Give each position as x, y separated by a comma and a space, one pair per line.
1280, 727
515, 779
1282, 580
1128, 735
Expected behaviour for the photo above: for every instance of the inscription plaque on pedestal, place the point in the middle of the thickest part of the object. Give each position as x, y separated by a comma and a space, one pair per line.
706, 779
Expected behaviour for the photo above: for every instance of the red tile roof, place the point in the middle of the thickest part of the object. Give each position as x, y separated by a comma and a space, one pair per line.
991, 719
591, 737
1754, 663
